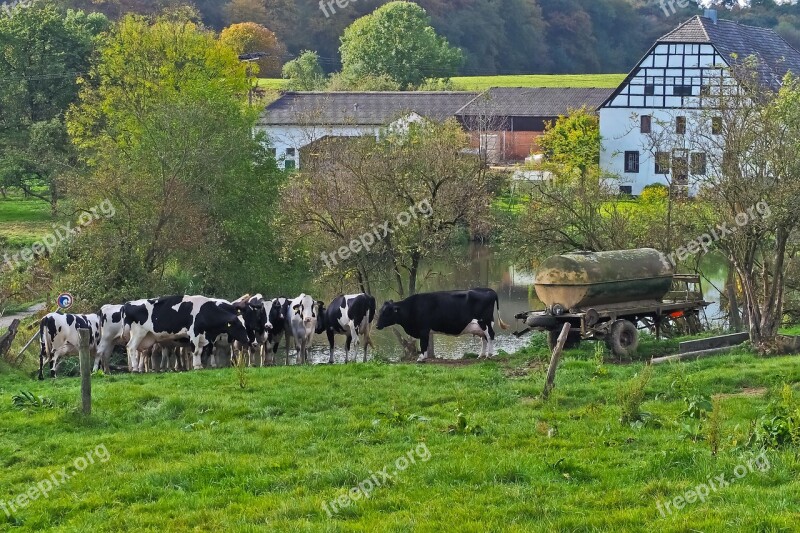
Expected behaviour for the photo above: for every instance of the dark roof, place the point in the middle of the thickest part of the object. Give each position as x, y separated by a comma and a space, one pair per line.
361, 108
776, 56
533, 102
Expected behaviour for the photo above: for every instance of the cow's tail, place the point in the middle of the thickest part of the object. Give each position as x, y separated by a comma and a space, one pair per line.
503, 325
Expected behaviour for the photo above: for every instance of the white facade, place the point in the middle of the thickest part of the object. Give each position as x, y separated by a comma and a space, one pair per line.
662, 108
288, 140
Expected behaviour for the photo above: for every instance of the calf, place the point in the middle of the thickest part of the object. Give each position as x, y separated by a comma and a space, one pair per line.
196, 318
350, 316
59, 337
469, 312
303, 315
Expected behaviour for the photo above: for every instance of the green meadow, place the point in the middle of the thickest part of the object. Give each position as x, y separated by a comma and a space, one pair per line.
481, 83
22, 221
269, 449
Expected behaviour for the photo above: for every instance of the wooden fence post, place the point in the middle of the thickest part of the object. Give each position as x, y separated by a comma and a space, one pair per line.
86, 372
551, 370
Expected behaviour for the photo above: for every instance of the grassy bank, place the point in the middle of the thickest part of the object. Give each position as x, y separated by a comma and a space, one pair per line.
195, 451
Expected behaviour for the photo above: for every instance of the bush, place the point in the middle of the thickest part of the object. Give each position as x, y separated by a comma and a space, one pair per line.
631, 395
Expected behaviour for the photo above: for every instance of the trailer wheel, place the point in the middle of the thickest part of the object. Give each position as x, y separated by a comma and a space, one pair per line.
573, 339
623, 338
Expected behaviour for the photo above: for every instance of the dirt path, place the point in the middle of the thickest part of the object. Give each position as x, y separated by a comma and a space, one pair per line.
6, 320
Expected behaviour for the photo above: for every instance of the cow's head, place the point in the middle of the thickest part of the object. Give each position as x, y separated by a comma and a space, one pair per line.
389, 315
254, 316
322, 322
305, 309
237, 331
276, 316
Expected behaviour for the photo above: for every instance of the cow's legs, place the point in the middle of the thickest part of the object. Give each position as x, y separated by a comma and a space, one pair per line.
331, 340
490, 340
425, 339
347, 343
42, 357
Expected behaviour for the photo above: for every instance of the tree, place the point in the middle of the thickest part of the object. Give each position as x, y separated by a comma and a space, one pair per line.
164, 128
754, 184
237, 11
247, 37
44, 51
397, 41
573, 141
403, 197
304, 73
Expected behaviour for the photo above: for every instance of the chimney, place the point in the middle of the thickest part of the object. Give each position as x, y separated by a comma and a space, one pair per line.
711, 14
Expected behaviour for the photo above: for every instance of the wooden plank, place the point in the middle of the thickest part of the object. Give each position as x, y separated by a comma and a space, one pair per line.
691, 355
86, 372
7, 339
551, 370
721, 341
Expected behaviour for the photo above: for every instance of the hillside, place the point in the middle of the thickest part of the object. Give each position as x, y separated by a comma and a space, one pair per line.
505, 36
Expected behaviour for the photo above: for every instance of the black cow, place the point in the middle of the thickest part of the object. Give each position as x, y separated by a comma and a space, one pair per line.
197, 318
351, 316
468, 312
278, 324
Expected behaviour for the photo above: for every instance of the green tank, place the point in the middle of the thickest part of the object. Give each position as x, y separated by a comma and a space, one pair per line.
593, 279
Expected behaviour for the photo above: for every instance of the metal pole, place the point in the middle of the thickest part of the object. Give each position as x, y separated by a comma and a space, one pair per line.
86, 372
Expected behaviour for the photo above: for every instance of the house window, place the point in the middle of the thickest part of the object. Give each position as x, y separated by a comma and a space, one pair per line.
649, 89
290, 152
716, 125
680, 167
646, 124
273, 152
680, 125
626, 189
697, 163
705, 90
682, 90
289, 164
632, 162
662, 162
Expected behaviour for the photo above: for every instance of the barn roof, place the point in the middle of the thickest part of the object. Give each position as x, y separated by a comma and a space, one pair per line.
776, 56
533, 102
361, 108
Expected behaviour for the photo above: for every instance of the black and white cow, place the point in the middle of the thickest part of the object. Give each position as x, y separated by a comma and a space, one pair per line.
256, 321
469, 312
349, 315
112, 333
59, 337
278, 324
196, 318
303, 314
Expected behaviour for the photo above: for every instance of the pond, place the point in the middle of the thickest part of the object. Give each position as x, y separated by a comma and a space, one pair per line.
481, 265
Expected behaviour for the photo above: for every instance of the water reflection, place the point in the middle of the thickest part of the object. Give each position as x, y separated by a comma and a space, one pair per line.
479, 265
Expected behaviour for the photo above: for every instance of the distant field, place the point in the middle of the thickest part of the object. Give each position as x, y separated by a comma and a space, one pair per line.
479, 83
22, 221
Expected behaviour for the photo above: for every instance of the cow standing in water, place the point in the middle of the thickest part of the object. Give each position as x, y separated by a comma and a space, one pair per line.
469, 312
351, 316
304, 312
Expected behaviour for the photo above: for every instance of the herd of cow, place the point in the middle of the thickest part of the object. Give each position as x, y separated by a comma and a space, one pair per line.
188, 331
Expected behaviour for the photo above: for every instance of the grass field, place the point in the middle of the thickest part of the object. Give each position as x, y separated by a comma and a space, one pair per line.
22, 221
195, 451
480, 83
